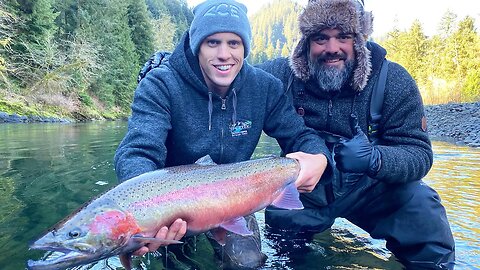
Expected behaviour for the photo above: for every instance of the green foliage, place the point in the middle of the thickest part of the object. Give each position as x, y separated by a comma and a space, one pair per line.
6, 20
176, 10
108, 27
67, 48
142, 31
85, 99
165, 30
275, 30
446, 66
38, 24
67, 18
471, 87
21, 108
64, 55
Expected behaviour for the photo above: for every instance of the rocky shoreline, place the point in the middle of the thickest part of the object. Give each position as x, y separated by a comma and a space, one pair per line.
454, 122
15, 118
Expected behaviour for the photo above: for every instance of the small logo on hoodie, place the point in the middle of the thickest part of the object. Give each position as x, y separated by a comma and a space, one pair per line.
240, 128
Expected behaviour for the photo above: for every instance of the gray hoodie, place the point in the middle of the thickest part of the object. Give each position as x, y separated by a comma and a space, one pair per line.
176, 120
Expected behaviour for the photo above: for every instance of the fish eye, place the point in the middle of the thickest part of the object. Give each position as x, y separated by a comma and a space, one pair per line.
74, 233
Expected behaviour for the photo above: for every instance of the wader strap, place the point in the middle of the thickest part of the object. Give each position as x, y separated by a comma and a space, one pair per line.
376, 102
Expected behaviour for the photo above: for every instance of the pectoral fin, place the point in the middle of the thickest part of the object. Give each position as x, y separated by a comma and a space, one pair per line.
126, 260
237, 225
289, 198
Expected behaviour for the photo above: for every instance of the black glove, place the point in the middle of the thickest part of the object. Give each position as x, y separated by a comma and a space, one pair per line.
357, 155
154, 61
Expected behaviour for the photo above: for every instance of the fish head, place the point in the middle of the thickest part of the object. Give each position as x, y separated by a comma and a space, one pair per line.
97, 231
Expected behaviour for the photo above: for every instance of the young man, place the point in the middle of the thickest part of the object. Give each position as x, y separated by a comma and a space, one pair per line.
207, 100
377, 181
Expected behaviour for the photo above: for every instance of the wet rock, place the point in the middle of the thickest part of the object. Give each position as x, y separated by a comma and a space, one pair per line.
15, 118
458, 122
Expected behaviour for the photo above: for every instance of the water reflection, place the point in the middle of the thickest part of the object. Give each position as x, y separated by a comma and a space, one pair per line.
455, 175
49, 170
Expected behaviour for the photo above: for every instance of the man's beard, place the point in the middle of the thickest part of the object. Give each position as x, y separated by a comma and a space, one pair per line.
330, 78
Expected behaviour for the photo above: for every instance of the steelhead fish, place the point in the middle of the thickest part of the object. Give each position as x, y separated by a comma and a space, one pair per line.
207, 196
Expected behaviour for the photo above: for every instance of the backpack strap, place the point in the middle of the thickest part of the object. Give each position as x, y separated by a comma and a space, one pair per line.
153, 62
299, 94
376, 102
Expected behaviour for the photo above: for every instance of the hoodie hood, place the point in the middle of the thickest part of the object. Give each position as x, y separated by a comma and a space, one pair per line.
186, 64
346, 15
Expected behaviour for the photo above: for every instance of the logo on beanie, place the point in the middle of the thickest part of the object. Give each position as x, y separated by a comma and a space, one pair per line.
223, 10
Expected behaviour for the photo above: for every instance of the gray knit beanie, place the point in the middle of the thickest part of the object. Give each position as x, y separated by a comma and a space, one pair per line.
219, 16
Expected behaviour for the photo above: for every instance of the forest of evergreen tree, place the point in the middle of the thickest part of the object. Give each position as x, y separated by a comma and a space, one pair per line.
81, 58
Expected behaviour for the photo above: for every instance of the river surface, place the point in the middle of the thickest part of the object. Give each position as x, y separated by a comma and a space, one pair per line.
49, 170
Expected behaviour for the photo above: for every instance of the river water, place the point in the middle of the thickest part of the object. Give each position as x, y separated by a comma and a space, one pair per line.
49, 170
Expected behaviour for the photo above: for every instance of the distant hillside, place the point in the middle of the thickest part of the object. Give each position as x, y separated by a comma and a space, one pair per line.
80, 59
275, 30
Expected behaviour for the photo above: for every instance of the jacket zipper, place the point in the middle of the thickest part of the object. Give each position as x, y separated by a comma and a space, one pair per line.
222, 138
224, 104
330, 113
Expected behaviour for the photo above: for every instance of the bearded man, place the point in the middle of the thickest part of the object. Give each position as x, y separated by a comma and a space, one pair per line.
377, 183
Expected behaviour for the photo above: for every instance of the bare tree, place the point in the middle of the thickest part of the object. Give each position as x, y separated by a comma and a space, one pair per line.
7, 20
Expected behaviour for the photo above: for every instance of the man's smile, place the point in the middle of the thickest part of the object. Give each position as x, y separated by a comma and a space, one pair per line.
223, 67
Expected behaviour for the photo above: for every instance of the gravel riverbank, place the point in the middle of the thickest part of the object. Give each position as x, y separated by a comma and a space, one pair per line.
454, 122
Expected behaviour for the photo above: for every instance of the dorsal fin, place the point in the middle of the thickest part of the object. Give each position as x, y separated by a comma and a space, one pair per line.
205, 161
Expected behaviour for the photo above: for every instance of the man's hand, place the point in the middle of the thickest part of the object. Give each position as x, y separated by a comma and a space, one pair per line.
311, 170
357, 155
176, 231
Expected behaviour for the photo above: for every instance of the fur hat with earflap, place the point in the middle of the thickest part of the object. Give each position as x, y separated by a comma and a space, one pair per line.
348, 16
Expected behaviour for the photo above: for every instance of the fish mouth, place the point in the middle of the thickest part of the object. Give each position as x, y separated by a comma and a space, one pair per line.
60, 260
